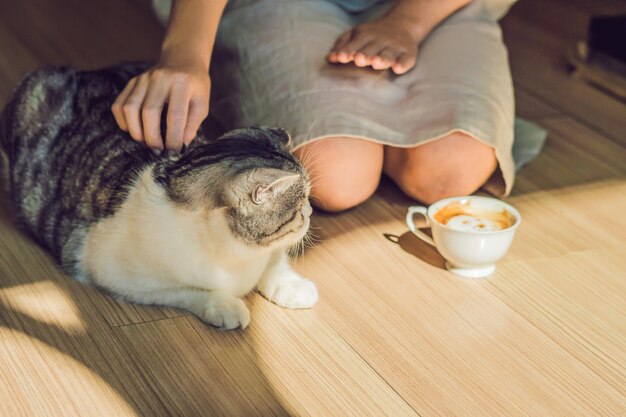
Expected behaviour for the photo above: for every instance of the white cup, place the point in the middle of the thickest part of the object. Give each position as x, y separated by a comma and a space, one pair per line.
470, 254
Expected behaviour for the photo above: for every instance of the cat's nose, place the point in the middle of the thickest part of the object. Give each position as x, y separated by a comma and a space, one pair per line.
307, 210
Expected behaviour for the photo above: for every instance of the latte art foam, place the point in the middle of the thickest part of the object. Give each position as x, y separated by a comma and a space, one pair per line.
472, 224
465, 217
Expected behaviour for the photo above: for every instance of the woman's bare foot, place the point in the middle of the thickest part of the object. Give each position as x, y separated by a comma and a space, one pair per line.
388, 42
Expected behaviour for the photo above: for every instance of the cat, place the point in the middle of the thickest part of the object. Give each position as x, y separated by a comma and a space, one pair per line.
196, 231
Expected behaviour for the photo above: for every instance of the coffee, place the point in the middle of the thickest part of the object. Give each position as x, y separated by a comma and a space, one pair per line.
464, 216
472, 233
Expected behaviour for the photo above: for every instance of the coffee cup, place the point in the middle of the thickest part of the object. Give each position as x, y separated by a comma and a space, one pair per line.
472, 233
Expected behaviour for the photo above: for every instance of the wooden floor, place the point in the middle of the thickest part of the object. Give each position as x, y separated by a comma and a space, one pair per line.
393, 334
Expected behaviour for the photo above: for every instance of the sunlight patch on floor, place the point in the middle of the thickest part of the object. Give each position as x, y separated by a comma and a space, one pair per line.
55, 376
44, 301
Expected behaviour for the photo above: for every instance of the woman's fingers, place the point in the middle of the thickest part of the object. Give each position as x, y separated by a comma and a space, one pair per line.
198, 111
177, 116
151, 114
404, 62
139, 107
132, 108
116, 108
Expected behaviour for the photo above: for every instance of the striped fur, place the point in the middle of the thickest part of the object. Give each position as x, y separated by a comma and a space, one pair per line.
69, 165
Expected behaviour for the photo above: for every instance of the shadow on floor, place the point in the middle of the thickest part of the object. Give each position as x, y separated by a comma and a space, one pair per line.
412, 245
162, 368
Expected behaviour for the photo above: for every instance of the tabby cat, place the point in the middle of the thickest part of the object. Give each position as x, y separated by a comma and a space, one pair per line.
196, 231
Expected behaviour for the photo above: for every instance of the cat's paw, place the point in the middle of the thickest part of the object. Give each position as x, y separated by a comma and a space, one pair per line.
295, 294
226, 312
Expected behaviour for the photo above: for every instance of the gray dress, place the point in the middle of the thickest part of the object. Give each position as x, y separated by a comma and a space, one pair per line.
269, 68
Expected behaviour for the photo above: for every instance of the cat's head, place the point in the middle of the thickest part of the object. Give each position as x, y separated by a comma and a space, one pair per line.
248, 174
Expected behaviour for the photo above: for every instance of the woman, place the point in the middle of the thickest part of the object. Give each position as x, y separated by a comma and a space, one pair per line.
417, 89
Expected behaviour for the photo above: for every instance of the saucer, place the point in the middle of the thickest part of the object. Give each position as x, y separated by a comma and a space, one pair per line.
482, 272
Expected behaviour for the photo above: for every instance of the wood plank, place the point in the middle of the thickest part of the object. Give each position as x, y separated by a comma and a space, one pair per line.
59, 357
82, 34
571, 196
595, 7
528, 106
439, 340
577, 299
559, 222
453, 322
285, 363
121, 313
561, 216
394, 334
539, 35
40, 380
574, 155
197, 370
344, 383
445, 344
13, 70
566, 19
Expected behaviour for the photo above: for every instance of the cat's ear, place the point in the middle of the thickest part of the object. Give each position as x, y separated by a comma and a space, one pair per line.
263, 192
277, 133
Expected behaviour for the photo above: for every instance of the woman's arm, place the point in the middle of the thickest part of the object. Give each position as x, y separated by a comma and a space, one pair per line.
181, 79
392, 40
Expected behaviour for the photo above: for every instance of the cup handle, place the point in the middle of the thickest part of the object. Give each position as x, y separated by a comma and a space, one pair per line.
409, 222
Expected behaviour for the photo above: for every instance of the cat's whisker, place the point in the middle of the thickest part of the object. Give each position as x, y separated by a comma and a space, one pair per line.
312, 161
312, 151
308, 133
313, 237
297, 249
306, 158
318, 180
313, 172
311, 233
310, 241
308, 153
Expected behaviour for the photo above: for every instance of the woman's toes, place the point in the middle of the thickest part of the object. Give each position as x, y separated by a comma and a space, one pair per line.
379, 63
360, 60
404, 63
343, 57
389, 56
399, 68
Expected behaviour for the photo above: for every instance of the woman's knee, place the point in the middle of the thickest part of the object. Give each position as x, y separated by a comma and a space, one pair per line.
456, 164
344, 171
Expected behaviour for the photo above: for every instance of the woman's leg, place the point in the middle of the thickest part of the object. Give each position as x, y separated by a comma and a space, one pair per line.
456, 164
344, 171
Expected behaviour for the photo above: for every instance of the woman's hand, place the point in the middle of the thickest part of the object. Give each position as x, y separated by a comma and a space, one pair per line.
388, 42
185, 87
